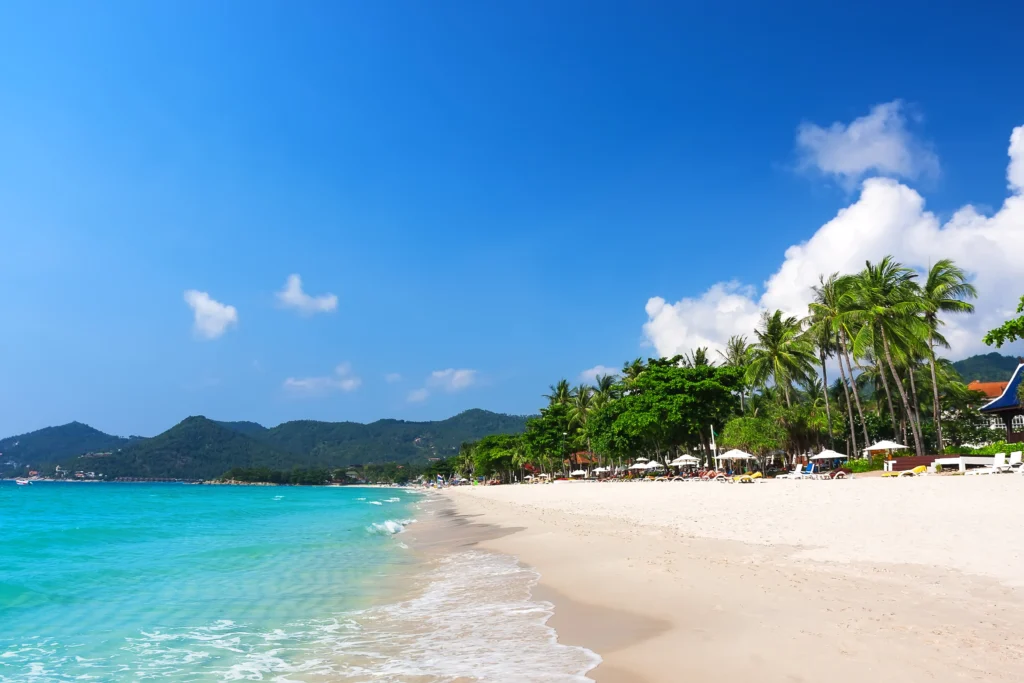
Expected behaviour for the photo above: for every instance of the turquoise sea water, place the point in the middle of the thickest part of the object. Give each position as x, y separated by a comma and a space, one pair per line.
130, 582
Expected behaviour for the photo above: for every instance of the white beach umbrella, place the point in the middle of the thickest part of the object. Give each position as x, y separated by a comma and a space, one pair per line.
601, 470
885, 446
638, 466
577, 473
641, 459
735, 454
684, 460
828, 454
652, 465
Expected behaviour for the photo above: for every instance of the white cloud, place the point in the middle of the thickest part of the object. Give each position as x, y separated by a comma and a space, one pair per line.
393, 377
1015, 171
341, 380
292, 296
418, 395
590, 375
212, 318
887, 218
452, 379
449, 380
877, 143
727, 308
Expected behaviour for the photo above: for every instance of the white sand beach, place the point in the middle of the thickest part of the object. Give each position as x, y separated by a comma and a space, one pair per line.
868, 579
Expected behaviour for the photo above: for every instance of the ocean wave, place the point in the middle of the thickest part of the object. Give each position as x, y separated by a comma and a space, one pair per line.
389, 527
475, 620
376, 502
392, 500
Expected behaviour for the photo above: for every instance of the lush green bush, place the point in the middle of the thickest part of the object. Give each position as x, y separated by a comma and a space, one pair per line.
875, 462
991, 449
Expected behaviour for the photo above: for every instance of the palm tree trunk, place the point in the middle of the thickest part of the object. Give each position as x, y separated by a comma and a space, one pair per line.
849, 410
828, 409
915, 405
935, 395
853, 388
903, 394
888, 394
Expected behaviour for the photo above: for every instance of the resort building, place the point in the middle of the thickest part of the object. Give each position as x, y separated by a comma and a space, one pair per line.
1007, 407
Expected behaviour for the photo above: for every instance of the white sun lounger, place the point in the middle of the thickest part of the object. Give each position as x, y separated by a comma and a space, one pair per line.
997, 466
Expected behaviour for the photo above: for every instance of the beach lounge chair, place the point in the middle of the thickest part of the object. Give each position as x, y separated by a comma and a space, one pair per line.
1016, 461
918, 471
791, 475
748, 478
998, 465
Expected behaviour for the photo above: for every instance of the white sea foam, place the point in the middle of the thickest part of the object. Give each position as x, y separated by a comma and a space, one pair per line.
392, 500
360, 499
475, 619
376, 502
390, 527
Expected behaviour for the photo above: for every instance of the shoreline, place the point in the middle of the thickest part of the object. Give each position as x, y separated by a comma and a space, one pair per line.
662, 596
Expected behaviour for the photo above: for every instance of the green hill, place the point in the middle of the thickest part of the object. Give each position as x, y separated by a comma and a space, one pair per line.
989, 367
46, 447
338, 444
249, 428
195, 448
199, 448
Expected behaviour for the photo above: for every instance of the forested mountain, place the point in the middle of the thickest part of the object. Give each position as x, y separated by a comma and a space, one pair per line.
55, 444
250, 428
195, 448
988, 367
199, 448
344, 443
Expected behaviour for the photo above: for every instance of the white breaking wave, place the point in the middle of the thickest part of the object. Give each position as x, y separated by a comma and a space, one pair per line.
392, 500
476, 620
390, 527
376, 502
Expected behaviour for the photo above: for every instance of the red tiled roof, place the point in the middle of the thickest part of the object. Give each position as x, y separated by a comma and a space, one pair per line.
990, 389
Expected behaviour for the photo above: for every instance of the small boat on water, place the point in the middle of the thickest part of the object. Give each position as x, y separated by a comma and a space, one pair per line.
22, 482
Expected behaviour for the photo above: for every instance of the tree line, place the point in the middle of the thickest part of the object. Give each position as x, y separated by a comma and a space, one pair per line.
881, 328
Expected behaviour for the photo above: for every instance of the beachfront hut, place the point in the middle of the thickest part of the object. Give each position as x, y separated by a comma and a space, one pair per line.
1008, 408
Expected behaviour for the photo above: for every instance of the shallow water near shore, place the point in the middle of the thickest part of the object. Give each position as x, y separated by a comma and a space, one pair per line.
119, 582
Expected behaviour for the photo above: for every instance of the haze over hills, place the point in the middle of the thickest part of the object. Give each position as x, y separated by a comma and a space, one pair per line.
200, 448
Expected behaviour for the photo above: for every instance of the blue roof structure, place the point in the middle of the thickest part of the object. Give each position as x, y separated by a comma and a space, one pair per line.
1008, 399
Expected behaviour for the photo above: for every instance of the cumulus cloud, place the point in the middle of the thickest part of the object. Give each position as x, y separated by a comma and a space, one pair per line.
392, 377
590, 375
449, 380
341, 379
888, 217
212, 318
418, 395
877, 143
292, 296
452, 379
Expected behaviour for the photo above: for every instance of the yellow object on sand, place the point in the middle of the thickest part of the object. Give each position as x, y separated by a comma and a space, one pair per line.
748, 478
919, 470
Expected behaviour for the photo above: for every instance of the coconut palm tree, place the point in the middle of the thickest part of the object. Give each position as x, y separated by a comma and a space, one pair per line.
945, 290
831, 298
737, 355
886, 304
580, 407
697, 358
606, 387
560, 393
780, 354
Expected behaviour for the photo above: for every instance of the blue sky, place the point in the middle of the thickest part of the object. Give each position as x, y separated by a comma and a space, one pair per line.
493, 192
